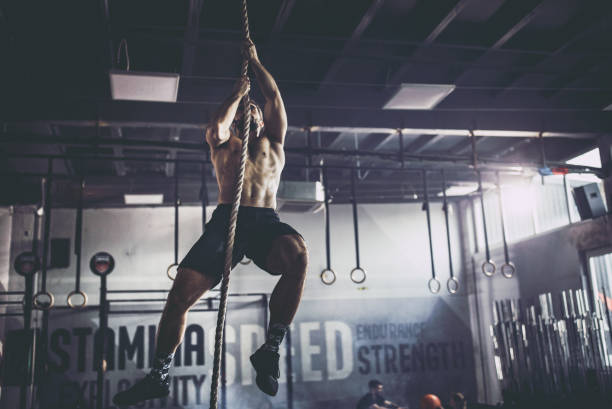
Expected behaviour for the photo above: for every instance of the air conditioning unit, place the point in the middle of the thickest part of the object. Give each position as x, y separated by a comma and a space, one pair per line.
300, 197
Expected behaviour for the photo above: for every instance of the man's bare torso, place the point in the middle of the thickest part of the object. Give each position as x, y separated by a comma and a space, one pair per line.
265, 162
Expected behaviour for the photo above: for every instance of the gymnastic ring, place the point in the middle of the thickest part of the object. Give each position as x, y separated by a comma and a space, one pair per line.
172, 268
488, 268
454, 287
40, 306
73, 305
508, 269
243, 262
434, 285
328, 272
356, 270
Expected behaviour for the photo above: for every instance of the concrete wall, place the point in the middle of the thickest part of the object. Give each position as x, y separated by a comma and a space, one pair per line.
394, 251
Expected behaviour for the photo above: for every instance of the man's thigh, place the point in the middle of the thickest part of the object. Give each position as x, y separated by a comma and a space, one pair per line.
287, 254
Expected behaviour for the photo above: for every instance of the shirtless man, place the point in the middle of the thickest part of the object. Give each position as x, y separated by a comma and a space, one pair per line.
274, 246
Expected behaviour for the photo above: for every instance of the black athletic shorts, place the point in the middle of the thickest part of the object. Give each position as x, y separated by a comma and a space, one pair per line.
256, 229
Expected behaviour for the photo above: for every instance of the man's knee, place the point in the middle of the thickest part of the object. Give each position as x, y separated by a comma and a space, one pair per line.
297, 258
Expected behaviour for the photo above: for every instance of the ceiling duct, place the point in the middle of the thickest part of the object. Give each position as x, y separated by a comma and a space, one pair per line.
300, 197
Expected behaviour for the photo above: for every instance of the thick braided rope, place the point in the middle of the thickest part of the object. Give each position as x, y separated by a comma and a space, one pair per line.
246, 109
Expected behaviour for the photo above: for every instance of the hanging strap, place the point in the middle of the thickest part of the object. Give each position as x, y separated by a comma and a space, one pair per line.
173, 268
328, 276
507, 269
177, 202
488, 267
214, 391
358, 274
45, 259
78, 240
433, 284
452, 285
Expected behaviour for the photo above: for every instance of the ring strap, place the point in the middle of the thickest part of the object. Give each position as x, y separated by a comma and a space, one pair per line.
169, 271
176, 212
434, 285
500, 200
446, 223
355, 218
485, 270
484, 218
355, 270
333, 275
327, 229
508, 269
452, 289
76, 306
427, 213
40, 306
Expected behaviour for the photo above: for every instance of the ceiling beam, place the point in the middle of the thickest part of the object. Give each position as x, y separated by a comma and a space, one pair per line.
514, 26
512, 148
423, 143
352, 41
119, 165
586, 23
431, 37
192, 30
170, 167
282, 17
583, 69
570, 123
465, 145
518, 26
386, 140
338, 139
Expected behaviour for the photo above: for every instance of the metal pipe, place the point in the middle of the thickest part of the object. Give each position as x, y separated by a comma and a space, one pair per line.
289, 363
101, 369
466, 161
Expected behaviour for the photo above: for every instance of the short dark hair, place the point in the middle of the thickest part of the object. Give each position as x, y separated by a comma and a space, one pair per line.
459, 399
374, 383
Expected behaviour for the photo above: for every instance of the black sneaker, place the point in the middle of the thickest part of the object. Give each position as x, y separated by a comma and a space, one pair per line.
145, 389
266, 365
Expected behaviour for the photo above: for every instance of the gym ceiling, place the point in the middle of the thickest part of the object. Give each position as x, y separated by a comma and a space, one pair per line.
537, 72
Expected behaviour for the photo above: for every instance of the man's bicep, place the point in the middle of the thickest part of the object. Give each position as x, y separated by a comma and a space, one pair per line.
275, 119
215, 135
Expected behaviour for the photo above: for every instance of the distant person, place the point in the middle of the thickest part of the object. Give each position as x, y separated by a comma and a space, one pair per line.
374, 399
457, 401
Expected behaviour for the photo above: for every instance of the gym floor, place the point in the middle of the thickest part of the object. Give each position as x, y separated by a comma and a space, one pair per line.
448, 164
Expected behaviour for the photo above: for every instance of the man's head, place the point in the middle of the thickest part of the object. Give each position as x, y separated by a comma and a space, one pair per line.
257, 122
457, 401
375, 386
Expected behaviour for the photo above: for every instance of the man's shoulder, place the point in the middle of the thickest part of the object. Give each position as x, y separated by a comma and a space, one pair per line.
365, 401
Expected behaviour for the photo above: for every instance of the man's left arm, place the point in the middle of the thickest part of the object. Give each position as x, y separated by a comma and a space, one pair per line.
275, 117
389, 404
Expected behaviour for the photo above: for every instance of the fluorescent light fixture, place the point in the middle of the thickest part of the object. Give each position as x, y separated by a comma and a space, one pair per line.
132, 199
590, 158
608, 108
144, 86
419, 96
460, 190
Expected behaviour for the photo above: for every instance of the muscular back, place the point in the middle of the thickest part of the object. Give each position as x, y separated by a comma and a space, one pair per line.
265, 162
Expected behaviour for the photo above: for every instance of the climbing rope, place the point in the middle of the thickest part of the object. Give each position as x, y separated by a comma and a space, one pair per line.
246, 109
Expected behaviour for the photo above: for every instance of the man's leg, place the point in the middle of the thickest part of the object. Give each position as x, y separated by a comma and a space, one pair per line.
188, 288
288, 256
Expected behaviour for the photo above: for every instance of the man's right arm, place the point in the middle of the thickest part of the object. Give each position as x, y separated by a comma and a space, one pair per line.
218, 131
